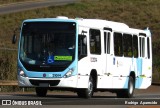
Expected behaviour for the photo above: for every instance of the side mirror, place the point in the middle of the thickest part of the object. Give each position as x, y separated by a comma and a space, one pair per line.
14, 39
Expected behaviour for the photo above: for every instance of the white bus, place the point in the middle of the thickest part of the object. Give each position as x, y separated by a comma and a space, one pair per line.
84, 55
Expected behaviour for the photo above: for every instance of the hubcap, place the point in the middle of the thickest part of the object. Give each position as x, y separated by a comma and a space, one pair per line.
130, 88
90, 87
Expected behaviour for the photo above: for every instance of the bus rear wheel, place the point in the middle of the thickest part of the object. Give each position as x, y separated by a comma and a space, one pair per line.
127, 93
88, 92
41, 92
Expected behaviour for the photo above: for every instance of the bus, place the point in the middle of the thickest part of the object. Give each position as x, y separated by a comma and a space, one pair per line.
84, 56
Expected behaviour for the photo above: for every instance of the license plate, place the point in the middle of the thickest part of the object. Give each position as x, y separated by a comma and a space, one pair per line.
44, 85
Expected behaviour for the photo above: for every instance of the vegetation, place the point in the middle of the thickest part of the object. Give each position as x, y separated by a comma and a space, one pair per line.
135, 13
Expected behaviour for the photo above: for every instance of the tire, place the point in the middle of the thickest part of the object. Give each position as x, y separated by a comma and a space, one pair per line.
41, 92
127, 93
88, 92
131, 87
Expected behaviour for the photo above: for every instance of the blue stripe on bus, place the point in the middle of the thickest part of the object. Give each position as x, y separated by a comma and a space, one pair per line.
139, 81
126, 83
139, 69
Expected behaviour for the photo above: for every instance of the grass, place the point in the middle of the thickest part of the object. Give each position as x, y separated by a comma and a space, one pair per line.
135, 13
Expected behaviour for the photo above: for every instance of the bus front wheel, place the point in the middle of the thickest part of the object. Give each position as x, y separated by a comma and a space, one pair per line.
88, 92
41, 92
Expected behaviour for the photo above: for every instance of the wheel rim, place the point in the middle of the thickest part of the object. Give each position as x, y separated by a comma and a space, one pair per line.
131, 88
90, 87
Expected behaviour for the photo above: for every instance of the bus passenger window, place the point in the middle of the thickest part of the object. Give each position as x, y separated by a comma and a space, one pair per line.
143, 47
95, 41
107, 42
127, 45
118, 49
140, 45
135, 46
148, 47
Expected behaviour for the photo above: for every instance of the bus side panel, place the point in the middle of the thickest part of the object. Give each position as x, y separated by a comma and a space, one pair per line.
144, 83
122, 69
82, 81
144, 73
83, 72
104, 81
70, 82
120, 82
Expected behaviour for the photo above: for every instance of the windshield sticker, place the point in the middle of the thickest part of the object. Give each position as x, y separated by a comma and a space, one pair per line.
67, 58
50, 59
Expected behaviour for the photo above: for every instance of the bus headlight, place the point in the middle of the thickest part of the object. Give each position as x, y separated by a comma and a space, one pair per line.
69, 73
21, 73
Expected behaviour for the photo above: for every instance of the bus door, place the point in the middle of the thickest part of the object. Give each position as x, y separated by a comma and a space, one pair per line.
144, 63
148, 64
118, 61
149, 58
108, 60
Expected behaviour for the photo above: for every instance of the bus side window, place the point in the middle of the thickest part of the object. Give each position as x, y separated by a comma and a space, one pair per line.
107, 42
95, 41
127, 45
118, 49
82, 46
140, 45
143, 47
148, 47
135, 46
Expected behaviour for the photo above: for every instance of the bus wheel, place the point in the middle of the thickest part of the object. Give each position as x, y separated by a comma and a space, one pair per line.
127, 93
88, 92
131, 87
41, 92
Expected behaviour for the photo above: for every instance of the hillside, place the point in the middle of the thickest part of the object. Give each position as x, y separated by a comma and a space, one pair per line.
135, 13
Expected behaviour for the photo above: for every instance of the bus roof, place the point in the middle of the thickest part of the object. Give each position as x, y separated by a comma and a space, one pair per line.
98, 23
115, 26
95, 23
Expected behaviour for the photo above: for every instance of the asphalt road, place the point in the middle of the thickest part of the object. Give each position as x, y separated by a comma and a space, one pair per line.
17, 7
150, 96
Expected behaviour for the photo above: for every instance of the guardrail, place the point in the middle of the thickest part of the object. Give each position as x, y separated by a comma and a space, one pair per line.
8, 83
15, 83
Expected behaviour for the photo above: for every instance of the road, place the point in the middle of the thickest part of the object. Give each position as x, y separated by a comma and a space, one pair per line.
22, 6
150, 96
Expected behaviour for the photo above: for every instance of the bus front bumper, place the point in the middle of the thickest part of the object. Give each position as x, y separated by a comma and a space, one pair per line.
70, 82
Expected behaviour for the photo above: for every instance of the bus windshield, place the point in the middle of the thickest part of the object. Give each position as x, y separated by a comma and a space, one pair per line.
47, 46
